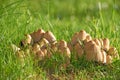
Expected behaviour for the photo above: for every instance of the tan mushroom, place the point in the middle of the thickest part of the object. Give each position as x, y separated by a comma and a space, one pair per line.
97, 42
35, 48
88, 38
69, 45
82, 35
79, 50
38, 35
108, 59
62, 43
39, 55
106, 44
104, 54
91, 50
49, 36
43, 42
75, 38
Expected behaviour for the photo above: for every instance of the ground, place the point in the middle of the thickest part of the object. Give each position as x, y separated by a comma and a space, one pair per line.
100, 18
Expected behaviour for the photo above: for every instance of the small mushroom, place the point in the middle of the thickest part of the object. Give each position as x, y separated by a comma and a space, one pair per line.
91, 51
39, 55
65, 51
79, 50
27, 40
88, 38
43, 42
15, 48
70, 46
112, 51
108, 59
54, 47
97, 42
38, 35
62, 43
106, 44
82, 35
104, 54
49, 36
35, 48
75, 38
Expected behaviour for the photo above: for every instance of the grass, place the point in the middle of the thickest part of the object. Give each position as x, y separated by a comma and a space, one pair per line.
100, 18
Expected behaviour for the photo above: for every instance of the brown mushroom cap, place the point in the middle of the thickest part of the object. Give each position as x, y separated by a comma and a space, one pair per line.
70, 46
65, 51
37, 36
91, 50
112, 51
62, 43
49, 36
97, 42
82, 35
104, 54
75, 38
39, 55
88, 38
108, 59
106, 44
35, 48
79, 50
43, 42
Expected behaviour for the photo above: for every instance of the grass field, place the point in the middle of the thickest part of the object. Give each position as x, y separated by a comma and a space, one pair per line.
100, 18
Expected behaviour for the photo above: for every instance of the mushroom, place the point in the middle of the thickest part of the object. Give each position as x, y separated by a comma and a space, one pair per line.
79, 50
106, 44
35, 48
91, 50
39, 55
62, 48
43, 42
49, 36
97, 42
38, 35
82, 35
78, 36
15, 48
103, 56
62, 43
88, 38
70, 46
27, 40
108, 59
75, 38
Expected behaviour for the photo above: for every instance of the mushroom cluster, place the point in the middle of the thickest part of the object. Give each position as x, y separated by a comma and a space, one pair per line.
43, 44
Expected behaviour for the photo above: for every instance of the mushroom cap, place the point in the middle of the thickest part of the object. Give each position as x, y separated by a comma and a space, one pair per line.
39, 55
62, 43
106, 44
38, 35
79, 50
91, 51
75, 38
43, 42
70, 46
104, 54
49, 36
112, 51
65, 51
28, 39
88, 38
108, 59
82, 35
35, 48
97, 42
